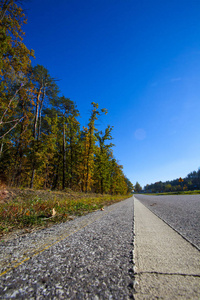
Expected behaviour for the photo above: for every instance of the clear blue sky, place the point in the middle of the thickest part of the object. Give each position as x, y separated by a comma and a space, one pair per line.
140, 59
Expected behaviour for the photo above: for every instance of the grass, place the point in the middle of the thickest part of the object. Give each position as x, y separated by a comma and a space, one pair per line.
195, 192
26, 208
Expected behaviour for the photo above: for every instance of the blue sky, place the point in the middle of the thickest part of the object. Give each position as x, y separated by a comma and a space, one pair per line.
140, 59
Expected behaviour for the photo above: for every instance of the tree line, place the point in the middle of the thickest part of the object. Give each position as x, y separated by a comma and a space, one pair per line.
189, 183
42, 144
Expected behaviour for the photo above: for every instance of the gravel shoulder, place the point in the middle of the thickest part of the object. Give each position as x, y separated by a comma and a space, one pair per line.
87, 258
181, 212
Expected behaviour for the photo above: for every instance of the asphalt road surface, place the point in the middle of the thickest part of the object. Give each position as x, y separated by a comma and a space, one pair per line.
181, 212
88, 258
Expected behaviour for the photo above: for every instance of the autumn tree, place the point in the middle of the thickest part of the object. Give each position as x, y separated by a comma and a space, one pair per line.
103, 156
68, 114
130, 186
88, 149
14, 65
74, 152
15, 90
118, 183
137, 188
48, 151
41, 142
45, 90
67, 138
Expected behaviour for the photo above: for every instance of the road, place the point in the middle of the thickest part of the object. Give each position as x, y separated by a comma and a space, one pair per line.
87, 258
181, 212
166, 265
101, 256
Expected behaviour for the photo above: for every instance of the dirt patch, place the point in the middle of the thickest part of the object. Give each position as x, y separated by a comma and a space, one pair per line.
5, 195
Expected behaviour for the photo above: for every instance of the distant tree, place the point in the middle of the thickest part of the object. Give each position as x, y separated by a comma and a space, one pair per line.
137, 187
190, 182
168, 187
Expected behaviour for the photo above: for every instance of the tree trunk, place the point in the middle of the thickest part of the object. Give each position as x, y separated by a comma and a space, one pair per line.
35, 134
102, 191
71, 162
32, 176
46, 177
88, 158
64, 158
1, 149
36, 114
40, 113
55, 181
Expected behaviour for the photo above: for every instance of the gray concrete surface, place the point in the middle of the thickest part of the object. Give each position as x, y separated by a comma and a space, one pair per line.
181, 212
87, 258
166, 265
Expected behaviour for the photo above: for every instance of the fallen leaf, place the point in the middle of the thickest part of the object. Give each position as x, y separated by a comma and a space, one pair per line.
53, 213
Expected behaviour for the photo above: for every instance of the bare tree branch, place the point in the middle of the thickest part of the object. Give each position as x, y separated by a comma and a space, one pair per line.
11, 100
12, 128
9, 121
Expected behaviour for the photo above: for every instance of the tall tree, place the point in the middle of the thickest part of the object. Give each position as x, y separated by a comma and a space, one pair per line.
73, 136
102, 160
45, 89
15, 87
88, 149
67, 113
14, 64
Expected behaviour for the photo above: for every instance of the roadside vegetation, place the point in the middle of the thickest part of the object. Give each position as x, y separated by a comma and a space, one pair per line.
195, 192
33, 209
188, 185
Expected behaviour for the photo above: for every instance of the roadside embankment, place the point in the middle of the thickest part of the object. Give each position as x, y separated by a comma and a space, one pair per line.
26, 210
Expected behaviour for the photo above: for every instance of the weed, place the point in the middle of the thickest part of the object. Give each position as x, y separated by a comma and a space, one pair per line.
195, 192
32, 208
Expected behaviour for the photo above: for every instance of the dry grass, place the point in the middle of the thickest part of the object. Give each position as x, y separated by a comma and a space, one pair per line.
195, 192
26, 208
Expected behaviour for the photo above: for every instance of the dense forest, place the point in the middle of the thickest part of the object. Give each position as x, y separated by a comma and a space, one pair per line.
42, 144
190, 183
